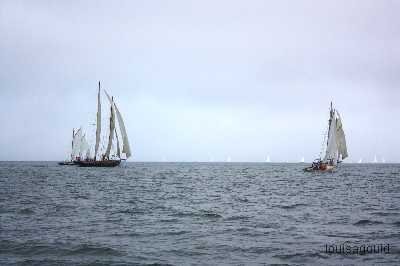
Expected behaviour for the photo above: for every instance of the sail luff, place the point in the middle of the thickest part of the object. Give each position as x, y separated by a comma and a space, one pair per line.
112, 128
98, 124
125, 142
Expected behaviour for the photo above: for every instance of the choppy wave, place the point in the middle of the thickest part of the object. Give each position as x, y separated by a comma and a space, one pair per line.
367, 222
397, 223
293, 206
26, 211
32, 248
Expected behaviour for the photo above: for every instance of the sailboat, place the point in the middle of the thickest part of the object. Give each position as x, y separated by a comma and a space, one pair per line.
78, 144
336, 148
375, 160
109, 159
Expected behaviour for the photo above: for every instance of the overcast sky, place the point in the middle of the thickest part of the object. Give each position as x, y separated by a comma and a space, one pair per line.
202, 80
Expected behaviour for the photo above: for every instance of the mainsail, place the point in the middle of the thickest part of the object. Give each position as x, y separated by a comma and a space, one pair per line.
336, 145
340, 137
98, 128
112, 129
331, 148
118, 149
125, 142
76, 143
84, 146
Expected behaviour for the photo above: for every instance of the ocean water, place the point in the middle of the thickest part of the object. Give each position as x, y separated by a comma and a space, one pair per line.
196, 214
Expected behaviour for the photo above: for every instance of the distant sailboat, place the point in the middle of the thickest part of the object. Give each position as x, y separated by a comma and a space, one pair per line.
360, 161
302, 160
375, 160
336, 148
268, 160
228, 159
383, 160
107, 158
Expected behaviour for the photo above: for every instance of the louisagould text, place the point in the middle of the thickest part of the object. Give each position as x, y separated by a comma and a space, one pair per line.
346, 249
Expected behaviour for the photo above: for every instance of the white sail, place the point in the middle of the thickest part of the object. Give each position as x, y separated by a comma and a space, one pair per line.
76, 143
98, 128
84, 145
340, 138
118, 149
112, 129
88, 153
332, 147
125, 142
72, 144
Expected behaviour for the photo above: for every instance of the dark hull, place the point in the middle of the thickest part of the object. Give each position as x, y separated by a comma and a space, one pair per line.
106, 163
312, 169
66, 163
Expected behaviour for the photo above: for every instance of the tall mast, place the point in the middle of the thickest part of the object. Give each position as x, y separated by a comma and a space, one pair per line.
98, 128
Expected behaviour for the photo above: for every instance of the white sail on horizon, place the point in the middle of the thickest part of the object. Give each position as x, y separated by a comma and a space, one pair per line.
98, 124
125, 142
336, 148
84, 146
112, 129
118, 148
332, 148
76, 143
340, 138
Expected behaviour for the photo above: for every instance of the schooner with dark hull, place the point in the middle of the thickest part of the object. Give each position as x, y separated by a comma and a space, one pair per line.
110, 157
336, 148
